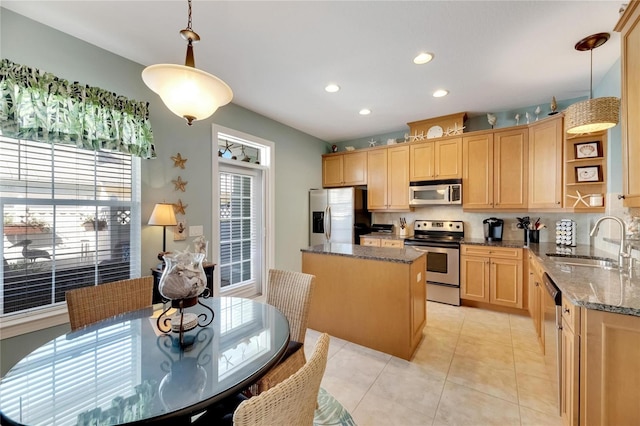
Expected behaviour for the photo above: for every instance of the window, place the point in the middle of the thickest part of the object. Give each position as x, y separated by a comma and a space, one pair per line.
70, 219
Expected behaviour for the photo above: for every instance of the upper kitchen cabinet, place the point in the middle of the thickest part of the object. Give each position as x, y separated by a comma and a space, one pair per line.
585, 170
439, 159
348, 169
388, 179
495, 170
545, 164
629, 28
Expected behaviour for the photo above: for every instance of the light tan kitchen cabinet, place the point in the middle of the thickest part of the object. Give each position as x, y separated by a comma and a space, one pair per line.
491, 275
495, 170
609, 368
535, 298
388, 179
545, 163
570, 364
629, 28
510, 169
381, 242
439, 159
348, 169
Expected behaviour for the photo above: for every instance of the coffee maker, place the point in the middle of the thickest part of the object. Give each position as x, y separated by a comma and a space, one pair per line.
493, 229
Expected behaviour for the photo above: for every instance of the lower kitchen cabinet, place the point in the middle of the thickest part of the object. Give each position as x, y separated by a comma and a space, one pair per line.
381, 242
491, 275
535, 298
609, 368
570, 364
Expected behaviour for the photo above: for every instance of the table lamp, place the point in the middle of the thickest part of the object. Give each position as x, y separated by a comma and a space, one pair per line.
163, 215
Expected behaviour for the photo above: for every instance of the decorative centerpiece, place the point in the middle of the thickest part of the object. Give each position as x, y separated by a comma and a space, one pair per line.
182, 282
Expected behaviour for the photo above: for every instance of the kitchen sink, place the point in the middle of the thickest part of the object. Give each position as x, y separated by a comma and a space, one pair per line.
588, 261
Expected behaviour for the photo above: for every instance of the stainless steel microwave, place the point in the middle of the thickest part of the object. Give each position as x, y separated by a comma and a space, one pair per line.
433, 192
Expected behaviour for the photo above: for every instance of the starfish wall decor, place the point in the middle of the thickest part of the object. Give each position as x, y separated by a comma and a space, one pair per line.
180, 207
180, 184
178, 161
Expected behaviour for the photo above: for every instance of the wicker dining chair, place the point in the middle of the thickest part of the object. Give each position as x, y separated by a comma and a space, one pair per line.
87, 305
290, 292
292, 401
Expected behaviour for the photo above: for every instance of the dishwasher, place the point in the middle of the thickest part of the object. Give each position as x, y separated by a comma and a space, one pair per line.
552, 305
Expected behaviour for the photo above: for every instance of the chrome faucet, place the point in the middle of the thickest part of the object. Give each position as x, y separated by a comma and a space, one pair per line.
623, 255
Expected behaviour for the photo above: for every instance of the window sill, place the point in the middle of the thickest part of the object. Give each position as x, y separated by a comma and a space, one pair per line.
16, 325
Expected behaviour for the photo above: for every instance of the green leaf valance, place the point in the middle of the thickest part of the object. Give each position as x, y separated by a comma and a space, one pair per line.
39, 106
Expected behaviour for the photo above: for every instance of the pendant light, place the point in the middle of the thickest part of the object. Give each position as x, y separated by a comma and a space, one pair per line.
592, 115
187, 91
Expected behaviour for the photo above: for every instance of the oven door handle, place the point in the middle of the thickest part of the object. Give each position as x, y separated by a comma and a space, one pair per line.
420, 249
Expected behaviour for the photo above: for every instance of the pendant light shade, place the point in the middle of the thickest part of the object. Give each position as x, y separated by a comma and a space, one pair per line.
187, 91
592, 115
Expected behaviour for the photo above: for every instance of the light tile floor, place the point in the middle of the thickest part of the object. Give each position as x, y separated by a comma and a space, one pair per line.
473, 367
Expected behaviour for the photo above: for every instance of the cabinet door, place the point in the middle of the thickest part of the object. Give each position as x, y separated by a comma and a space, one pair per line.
377, 179
474, 278
355, 169
610, 368
630, 63
448, 159
545, 164
570, 365
506, 282
392, 243
510, 168
332, 170
418, 299
398, 178
477, 169
421, 161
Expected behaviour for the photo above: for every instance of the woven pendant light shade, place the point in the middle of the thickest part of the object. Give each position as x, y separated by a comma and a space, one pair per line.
592, 115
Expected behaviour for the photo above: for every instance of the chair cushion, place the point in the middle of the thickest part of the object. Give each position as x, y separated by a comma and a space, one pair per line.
330, 411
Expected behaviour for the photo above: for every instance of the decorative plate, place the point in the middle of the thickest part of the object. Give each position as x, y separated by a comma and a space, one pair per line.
435, 132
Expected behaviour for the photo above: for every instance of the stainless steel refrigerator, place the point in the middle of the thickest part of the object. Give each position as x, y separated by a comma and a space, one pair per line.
338, 215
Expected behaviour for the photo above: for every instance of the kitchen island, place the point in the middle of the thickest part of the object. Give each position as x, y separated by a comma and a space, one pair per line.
372, 296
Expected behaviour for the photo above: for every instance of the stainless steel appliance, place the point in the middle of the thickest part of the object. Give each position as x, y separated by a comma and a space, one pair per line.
493, 228
441, 241
552, 305
338, 215
433, 192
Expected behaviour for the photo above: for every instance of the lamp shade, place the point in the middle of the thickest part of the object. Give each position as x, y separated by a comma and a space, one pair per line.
592, 115
187, 91
163, 215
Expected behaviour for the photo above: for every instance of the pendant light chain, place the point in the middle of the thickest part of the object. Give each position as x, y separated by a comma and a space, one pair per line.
189, 21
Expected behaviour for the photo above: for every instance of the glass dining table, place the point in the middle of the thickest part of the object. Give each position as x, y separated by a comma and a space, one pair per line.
124, 370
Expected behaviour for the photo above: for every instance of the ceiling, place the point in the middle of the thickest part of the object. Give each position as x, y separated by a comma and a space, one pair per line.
278, 56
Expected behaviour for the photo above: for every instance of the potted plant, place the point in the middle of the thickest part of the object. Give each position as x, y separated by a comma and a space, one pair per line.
91, 223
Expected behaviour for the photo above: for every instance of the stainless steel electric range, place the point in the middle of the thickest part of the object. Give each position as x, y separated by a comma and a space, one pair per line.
441, 241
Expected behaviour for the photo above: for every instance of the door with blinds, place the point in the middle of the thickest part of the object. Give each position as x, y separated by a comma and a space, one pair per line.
241, 230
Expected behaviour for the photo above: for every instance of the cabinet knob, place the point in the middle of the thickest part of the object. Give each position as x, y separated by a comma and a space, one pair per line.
558, 202
621, 197
537, 284
566, 310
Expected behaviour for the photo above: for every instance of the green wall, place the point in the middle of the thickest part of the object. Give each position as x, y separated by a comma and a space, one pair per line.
297, 155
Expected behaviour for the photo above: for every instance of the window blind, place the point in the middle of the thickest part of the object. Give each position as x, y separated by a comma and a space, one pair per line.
70, 219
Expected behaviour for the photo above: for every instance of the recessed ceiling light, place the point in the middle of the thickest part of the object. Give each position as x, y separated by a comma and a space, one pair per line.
423, 58
365, 111
440, 93
332, 88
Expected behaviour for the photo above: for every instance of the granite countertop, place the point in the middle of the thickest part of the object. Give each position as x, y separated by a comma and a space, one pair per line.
591, 288
385, 254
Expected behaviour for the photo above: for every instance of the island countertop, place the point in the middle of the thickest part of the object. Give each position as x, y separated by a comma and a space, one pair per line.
385, 254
